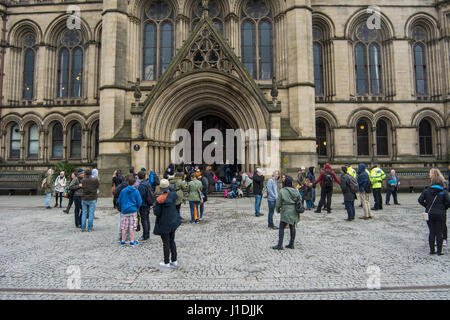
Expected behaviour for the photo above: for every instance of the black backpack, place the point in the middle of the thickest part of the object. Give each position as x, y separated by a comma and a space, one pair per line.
151, 198
299, 206
328, 179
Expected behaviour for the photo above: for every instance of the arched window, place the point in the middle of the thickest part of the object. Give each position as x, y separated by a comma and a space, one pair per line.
318, 61
75, 141
70, 65
28, 67
362, 138
33, 141
14, 151
420, 67
382, 138
321, 138
425, 137
367, 60
158, 39
215, 12
57, 141
256, 39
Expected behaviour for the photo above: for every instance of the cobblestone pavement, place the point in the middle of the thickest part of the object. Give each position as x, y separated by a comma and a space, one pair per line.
226, 256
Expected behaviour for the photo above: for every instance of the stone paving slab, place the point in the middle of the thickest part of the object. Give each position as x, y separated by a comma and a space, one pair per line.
229, 251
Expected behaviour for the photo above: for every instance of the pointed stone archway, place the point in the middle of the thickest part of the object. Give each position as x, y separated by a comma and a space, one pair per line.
205, 72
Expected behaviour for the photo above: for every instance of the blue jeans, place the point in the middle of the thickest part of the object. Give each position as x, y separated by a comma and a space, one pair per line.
309, 204
219, 185
271, 204
48, 196
192, 205
350, 207
88, 210
258, 199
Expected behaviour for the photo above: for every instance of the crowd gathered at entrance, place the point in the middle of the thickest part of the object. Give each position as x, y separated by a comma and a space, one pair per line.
135, 195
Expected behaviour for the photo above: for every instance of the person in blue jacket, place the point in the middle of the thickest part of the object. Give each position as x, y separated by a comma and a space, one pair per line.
129, 203
364, 190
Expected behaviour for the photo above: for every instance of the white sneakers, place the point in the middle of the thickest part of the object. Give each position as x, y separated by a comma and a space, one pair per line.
163, 265
445, 243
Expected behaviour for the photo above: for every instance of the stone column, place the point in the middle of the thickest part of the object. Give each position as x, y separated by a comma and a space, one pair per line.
41, 74
3, 146
113, 87
65, 151
156, 164
22, 145
300, 84
42, 148
89, 76
84, 145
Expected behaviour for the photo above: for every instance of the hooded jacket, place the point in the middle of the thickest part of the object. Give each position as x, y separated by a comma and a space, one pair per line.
363, 177
438, 209
179, 187
311, 176
321, 180
167, 217
286, 205
129, 200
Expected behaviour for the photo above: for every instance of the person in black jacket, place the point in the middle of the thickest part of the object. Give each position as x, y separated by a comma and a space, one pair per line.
145, 190
258, 185
167, 221
349, 196
436, 200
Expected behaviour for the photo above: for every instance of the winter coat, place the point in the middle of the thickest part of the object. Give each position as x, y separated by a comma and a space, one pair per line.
390, 177
179, 187
272, 192
362, 178
49, 183
258, 184
205, 184
310, 176
143, 188
167, 217
307, 193
441, 204
194, 188
321, 180
89, 188
285, 205
75, 188
129, 200
301, 177
209, 175
346, 191
60, 184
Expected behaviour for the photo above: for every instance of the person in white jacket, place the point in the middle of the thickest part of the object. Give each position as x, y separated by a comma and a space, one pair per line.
60, 185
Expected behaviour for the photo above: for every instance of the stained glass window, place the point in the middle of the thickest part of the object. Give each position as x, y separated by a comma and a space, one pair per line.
425, 138
256, 39
33, 141
57, 141
70, 65
28, 67
158, 39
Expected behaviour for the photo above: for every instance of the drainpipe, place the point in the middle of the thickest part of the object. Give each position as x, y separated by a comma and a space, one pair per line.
3, 50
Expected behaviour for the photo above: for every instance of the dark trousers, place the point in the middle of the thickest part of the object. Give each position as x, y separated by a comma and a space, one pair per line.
69, 205
436, 225
60, 196
77, 201
377, 198
445, 231
169, 247
325, 193
388, 195
247, 191
144, 212
350, 207
271, 204
281, 233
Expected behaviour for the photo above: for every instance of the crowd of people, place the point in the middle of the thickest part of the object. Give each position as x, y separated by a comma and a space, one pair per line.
134, 197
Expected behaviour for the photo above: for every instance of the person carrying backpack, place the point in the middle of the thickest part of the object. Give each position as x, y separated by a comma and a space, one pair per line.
365, 189
153, 179
148, 198
326, 179
349, 187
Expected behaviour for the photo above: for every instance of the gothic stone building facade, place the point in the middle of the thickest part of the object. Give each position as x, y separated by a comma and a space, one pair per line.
339, 89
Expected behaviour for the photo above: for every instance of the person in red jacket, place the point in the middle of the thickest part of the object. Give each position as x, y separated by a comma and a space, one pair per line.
326, 179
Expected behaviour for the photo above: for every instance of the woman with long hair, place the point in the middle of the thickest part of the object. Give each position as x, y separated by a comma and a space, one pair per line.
436, 201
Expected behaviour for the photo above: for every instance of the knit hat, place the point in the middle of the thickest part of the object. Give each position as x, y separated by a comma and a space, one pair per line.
80, 171
143, 169
164, 185
259, 170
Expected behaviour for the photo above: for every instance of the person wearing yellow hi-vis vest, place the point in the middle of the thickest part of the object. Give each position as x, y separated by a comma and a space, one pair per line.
376, 178
351, 171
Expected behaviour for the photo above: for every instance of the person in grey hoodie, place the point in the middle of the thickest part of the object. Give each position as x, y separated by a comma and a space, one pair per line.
272, 195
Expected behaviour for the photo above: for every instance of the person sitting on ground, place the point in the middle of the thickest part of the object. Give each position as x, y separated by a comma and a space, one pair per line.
233, 190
